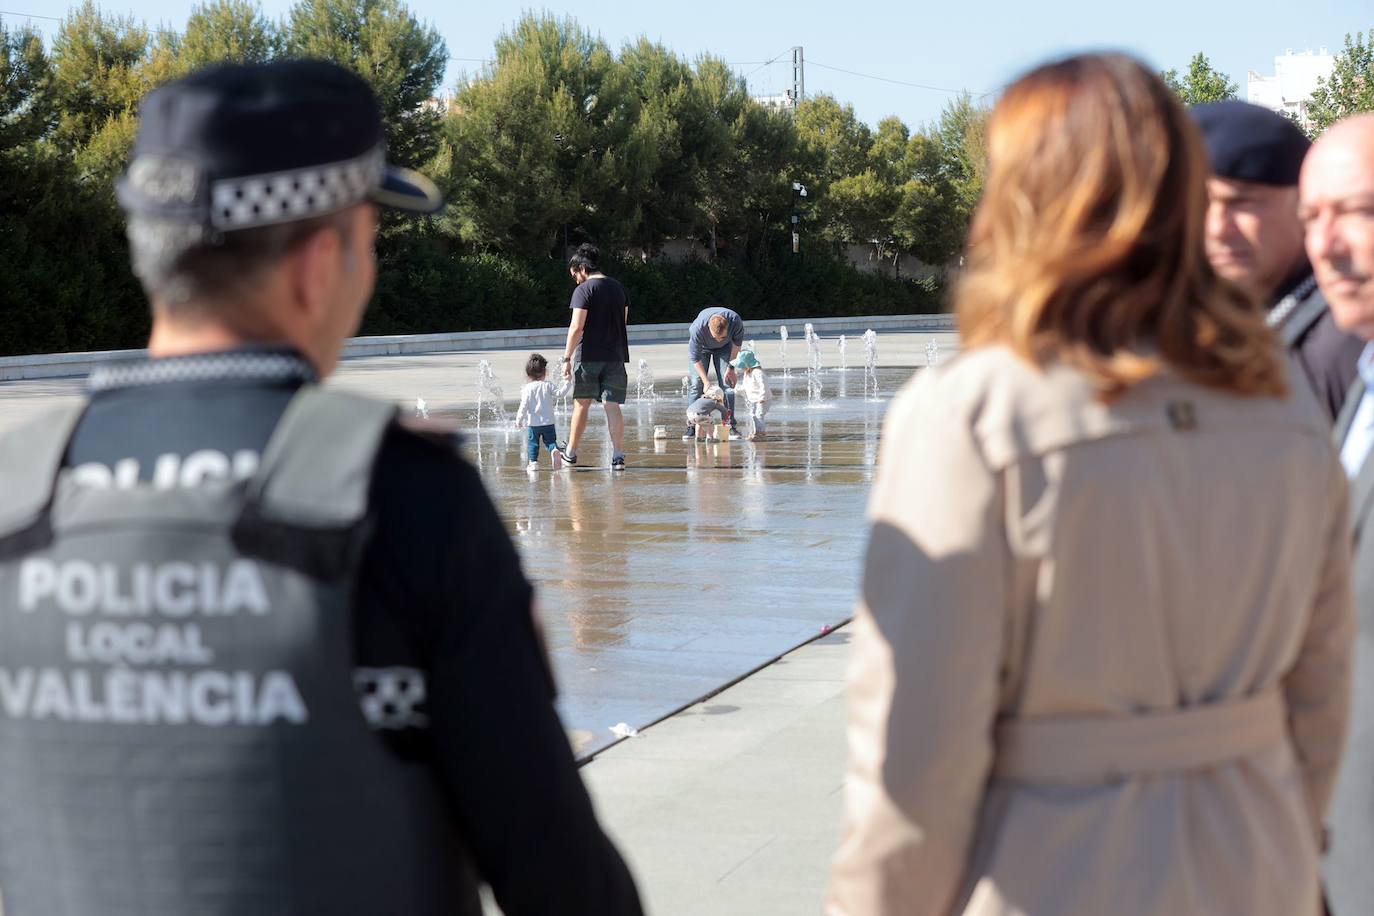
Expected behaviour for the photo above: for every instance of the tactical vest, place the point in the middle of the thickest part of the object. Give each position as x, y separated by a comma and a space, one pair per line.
179, 728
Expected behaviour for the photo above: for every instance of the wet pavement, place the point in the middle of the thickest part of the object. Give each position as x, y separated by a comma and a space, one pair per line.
701, 562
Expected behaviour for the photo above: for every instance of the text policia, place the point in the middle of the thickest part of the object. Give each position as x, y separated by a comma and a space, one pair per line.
125, 692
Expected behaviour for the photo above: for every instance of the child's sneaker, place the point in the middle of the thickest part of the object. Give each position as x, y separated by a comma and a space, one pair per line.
734, 435
691, 433
618, 463
532, 466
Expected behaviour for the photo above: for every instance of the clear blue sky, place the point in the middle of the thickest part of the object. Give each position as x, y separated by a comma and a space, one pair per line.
954, 45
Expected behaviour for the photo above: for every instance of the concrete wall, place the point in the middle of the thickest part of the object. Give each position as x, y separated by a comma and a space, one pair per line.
680, 250
862, 257
67, 365
677, 251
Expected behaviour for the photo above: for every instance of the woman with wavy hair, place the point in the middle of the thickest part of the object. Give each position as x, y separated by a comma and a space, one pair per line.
1101, 663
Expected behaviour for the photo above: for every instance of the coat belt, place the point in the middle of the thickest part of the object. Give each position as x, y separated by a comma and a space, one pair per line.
1066, 750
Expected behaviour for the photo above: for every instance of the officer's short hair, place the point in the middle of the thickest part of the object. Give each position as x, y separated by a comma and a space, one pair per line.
587, 257
178, 265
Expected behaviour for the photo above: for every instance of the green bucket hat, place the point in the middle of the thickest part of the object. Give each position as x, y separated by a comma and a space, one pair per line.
745, 360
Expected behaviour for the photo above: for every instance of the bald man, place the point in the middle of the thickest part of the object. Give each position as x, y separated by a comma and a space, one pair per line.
1254, 237
1336, 204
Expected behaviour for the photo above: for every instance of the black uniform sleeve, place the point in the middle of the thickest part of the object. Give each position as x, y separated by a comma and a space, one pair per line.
499, 745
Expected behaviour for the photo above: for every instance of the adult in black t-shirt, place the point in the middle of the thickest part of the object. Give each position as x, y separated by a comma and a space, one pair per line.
597, 350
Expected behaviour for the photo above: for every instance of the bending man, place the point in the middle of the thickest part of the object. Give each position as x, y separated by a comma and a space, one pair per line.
715, 339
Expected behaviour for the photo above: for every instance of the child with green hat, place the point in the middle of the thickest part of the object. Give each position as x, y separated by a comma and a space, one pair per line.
755, 388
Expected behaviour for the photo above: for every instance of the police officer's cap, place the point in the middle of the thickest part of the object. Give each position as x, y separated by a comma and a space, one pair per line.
238, 146
1249, 143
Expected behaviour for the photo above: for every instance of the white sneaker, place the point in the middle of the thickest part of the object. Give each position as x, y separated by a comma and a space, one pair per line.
532, 466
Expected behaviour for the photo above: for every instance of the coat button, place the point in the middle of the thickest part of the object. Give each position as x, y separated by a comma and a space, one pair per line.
1182, 415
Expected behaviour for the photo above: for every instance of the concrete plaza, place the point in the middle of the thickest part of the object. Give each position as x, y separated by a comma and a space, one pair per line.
732, 807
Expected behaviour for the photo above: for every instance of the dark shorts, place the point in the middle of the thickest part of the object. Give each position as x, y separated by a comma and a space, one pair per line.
600, 381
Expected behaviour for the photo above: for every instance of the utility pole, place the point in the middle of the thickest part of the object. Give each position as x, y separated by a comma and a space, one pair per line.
798, 78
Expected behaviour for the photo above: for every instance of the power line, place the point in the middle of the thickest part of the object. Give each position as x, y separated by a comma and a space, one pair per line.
884, 79
28, 15
767, 63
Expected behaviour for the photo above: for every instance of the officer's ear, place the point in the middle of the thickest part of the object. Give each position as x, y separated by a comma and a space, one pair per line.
316, 267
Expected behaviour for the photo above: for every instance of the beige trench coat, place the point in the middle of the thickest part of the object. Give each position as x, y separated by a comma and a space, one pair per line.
1101, 664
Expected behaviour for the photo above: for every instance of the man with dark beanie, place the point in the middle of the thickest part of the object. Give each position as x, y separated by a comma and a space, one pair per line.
1254, 237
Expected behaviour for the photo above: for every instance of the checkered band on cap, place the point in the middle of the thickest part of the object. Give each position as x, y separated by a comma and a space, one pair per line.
262, 200
202, 367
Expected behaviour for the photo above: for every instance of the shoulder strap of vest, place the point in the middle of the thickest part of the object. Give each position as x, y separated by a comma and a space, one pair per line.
307, 505
317, 468
30, 459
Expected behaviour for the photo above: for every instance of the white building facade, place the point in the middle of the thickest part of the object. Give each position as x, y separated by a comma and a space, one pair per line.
783, 102
1290, 88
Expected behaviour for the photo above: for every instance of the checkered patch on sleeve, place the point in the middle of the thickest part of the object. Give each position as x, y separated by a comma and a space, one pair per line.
392, 698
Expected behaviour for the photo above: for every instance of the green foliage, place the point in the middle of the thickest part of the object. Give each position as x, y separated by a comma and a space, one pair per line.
1202, 83
382, 41
66, 288
561, 139
97, 71
26, 111
217, 31
835, 142
426, 290
1350, 90
534, 142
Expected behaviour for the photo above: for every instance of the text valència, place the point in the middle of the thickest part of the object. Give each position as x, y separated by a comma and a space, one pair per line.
166, 596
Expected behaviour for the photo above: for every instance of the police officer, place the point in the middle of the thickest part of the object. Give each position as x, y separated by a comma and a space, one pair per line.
262, 650
1254, 237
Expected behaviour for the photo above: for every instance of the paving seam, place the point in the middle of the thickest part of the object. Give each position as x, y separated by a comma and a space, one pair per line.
829, 630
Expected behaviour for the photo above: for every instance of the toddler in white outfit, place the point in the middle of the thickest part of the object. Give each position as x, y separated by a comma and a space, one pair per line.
536, 410
755, 388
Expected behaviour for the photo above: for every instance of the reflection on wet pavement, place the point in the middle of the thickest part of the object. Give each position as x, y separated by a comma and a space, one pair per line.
695, 566
700, 562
